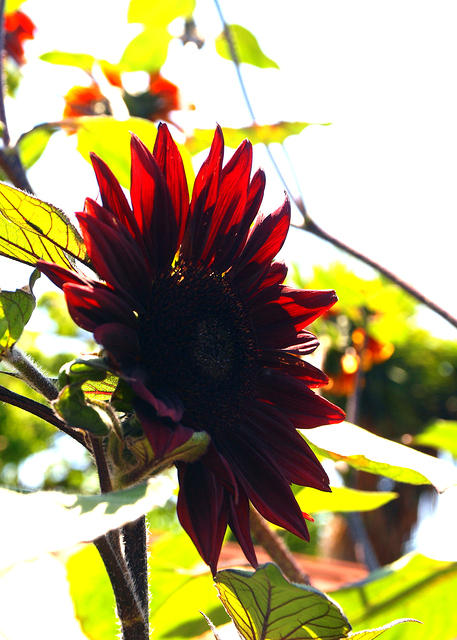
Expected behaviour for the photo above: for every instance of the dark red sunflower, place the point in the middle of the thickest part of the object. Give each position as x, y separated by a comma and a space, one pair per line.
18, 28
193, 314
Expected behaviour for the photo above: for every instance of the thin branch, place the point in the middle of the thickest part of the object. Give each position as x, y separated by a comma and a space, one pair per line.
41, 411
30, 373
276, 549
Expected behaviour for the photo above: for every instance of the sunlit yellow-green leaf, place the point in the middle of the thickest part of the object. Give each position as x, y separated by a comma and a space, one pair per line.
32, 144
264, 605
100, 390
414, 587
365, 451
110, 139
13, 5
342, 499
442, 434
159, 13
16, 307
257, 133
31, 229
246, 46
61, 520
81, 60
147, 51
370, 634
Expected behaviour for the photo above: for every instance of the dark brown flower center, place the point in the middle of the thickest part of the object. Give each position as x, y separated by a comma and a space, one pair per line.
197, 342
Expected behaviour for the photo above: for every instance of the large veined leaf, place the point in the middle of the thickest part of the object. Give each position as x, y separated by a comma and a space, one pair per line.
414, 586
365, 451
61, 520
16, 307
263, 604
81, 60
342, 499
442, 434
110, 139
256, 133
246, 46
31, 229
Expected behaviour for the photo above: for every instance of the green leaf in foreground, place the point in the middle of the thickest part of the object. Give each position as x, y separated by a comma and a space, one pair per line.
442, 434
365, 451
263, 604
147, 51
257, 133
414, 587
61, 520
342, 499
81, 60
31, 229
16, 307
110, 139
246, 46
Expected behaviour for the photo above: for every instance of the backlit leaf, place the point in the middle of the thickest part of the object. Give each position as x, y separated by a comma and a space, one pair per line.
370, 634
246, 46
100, 390
110, 139
263, 604
16, 307
412, 587
365, 451
147, 51
342, 499
61, 520
32, 144
13, 5
257, 133
31, 229
159, 13
81, 60
442, 434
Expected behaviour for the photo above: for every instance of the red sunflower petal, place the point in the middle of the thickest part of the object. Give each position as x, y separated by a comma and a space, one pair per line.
238, 522
59, 275
153, 208
91, 306
164, 438
120, 341
171, 165
293, 365
202, 510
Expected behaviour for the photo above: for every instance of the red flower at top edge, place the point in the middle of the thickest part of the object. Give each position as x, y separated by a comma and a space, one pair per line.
192, 312
18, 27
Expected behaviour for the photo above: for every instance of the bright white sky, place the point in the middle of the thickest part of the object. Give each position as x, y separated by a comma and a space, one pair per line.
382, 177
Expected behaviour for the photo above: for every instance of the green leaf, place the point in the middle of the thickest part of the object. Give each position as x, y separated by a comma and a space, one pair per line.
370, 634
159, 13
257, 134
413, 586
147, 51
16, 307
13, 5
263, 604
62, 520
32, 144
365, 451
342, 499
246, 46
81, 60
72, 406
442, 434
110, 139
31, 229
92, 595
100, 390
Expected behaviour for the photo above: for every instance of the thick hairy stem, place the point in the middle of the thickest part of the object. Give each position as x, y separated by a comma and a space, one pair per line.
31, 374
131, 597
135, 551
276, 549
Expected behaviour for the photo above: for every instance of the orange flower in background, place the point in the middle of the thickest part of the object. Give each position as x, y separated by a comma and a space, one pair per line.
156, 103
18, 28
85, 101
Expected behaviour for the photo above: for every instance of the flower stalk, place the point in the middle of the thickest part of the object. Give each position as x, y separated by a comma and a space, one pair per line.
30, 373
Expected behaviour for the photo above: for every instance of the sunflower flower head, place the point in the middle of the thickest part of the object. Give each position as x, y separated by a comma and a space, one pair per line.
193, 316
